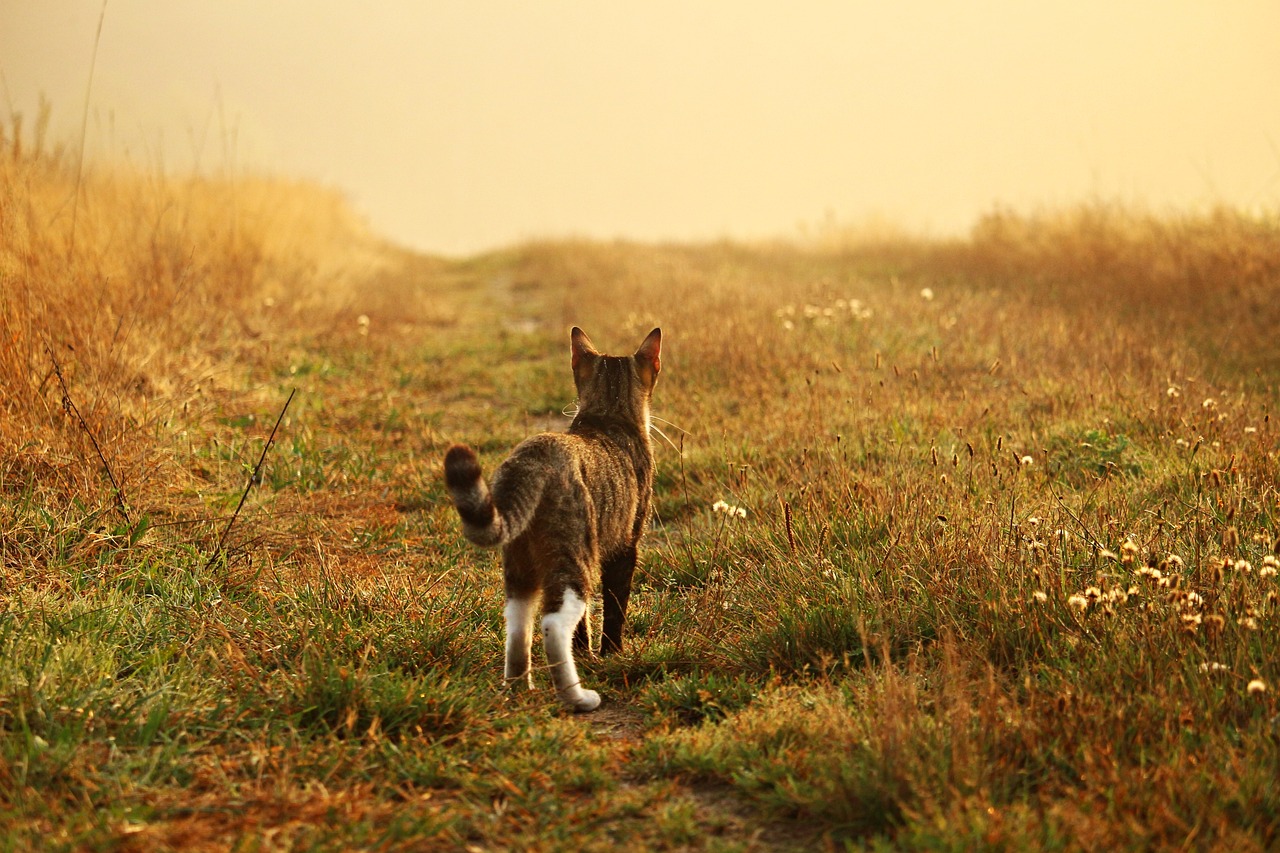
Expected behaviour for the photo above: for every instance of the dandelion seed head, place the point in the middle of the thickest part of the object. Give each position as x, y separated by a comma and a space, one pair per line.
1256, 687
926, 293
1026, 460
729, 509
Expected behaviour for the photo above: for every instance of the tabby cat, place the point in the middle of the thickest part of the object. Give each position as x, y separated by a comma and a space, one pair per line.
565, 506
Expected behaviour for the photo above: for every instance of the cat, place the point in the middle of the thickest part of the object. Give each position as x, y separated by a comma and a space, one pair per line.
566, 506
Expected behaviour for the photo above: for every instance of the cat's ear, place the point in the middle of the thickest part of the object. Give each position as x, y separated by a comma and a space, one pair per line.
648, 354
584, 353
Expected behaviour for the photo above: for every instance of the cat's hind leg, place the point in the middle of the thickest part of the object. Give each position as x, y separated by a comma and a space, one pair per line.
558, 629
519, 615
615, 578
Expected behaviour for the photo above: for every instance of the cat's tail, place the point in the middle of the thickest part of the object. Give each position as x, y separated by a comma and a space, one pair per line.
484, 522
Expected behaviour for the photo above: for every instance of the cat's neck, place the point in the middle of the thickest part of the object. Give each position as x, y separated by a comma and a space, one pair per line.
608, 422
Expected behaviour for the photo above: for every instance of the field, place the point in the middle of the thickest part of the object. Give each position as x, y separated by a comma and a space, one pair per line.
957, 545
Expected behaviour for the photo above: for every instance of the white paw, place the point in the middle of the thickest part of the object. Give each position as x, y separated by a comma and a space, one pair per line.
589, 700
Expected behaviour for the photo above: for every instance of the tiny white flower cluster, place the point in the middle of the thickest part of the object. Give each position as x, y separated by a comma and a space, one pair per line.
820, 315
729, 509
1269, 566
1107, 600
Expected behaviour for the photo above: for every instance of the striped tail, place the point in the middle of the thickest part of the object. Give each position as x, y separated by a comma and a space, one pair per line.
485, 522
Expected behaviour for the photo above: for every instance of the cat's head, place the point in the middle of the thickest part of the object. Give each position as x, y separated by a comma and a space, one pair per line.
617, 385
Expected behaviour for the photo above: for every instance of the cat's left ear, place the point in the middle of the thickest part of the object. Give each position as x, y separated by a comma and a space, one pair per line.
584, 353
648, 354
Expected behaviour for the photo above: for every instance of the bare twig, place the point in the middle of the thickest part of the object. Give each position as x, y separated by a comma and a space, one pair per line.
69, 405
84, 125
254, 478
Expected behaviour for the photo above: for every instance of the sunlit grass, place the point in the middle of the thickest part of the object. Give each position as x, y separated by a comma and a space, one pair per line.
967, 544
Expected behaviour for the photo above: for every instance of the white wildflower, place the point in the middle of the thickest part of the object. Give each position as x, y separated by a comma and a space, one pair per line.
729, 509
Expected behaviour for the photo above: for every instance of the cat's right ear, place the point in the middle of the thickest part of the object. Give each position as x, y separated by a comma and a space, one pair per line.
649, 352
584, 353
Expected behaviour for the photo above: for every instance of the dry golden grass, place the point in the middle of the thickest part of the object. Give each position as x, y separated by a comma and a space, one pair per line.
133, 297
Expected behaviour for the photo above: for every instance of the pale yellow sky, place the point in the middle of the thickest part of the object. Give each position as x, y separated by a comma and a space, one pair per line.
460, 126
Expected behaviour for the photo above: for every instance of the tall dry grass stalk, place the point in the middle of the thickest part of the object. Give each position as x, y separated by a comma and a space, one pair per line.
124, 293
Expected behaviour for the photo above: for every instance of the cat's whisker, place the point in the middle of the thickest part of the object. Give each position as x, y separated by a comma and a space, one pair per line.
671, 424
664, 436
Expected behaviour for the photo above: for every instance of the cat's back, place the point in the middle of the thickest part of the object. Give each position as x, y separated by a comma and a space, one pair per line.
590, 455
584, 474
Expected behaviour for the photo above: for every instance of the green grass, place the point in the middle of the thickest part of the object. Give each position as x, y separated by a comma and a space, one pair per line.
1004, 575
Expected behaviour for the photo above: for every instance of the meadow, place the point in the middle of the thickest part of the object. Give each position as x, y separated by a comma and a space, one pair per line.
958, 544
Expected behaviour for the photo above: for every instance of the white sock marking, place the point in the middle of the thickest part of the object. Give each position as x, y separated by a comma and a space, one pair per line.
557, 637
519, 618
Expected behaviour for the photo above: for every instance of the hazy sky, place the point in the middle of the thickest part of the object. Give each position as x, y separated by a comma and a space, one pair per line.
458, 126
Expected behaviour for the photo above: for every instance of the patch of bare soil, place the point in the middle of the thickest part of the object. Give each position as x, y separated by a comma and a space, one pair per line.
616, 722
